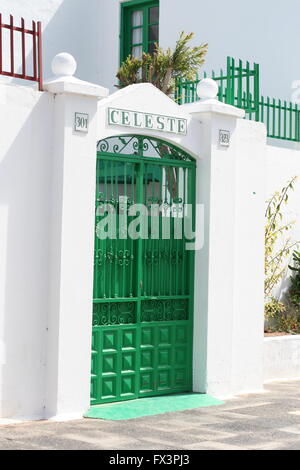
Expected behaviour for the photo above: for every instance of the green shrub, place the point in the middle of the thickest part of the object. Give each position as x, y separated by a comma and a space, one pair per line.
294, 291
289, 321
163, 67
278, 246
284, 318
274, 308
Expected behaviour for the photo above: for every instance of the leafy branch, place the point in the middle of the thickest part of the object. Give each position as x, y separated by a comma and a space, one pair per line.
294, 291
163, 67
277, 247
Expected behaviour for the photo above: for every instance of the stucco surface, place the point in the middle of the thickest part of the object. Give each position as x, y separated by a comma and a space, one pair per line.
282, 357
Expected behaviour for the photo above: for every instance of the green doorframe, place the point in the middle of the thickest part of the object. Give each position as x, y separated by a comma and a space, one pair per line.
144, 289
127, 8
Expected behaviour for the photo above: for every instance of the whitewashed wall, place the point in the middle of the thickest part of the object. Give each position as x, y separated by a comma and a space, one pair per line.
242, 30
42, 164
219, 24
47, 184
281, 165
68, 25
25, 173
90, 31
228, 330
40, 172
281, 358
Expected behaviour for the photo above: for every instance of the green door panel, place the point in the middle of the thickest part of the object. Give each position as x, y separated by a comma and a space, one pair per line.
143, 289
114, 359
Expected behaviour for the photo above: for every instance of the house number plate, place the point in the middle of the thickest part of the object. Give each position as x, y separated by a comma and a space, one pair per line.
81, 122
224, 138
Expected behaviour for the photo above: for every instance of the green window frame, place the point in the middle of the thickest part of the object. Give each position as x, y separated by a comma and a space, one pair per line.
139, 27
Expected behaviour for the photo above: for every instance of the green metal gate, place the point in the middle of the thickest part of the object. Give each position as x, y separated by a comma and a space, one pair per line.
143, 286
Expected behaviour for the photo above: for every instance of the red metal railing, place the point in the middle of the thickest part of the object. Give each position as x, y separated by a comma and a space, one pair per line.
37, 65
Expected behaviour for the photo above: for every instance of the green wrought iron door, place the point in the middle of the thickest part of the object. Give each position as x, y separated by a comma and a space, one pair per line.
143, 284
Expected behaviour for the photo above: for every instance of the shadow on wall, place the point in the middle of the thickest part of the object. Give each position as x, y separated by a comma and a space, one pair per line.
74, 28
24, 223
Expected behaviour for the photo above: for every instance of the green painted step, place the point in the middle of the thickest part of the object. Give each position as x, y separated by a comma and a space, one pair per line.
151, 406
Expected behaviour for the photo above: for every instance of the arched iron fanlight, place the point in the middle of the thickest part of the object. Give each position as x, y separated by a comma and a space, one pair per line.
142, 146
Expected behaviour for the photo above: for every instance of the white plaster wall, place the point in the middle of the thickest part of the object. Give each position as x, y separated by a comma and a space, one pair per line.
228, 328
68, 26
144, 97
213, 304
229, 300
281, 357
228, 303
248, 258
220, 25
240, 30
25, 146
281, 165
90, 31
72, 259
47, 197
109, 42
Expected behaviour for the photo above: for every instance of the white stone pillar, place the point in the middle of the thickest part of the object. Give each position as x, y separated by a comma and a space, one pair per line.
72, 241
229, 281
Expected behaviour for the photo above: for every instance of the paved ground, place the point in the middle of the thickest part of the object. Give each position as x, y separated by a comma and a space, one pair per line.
266, 421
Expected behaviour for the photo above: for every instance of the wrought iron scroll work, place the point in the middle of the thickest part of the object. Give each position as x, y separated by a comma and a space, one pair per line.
142, 146
164, 310
114, 313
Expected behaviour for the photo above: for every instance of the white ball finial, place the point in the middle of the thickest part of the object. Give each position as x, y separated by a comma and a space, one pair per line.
207, 89
63, 65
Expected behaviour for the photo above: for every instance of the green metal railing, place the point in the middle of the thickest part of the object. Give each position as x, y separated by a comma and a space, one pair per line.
281, 118
239, 86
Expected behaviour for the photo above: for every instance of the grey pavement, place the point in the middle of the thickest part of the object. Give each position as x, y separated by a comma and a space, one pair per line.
263, 421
